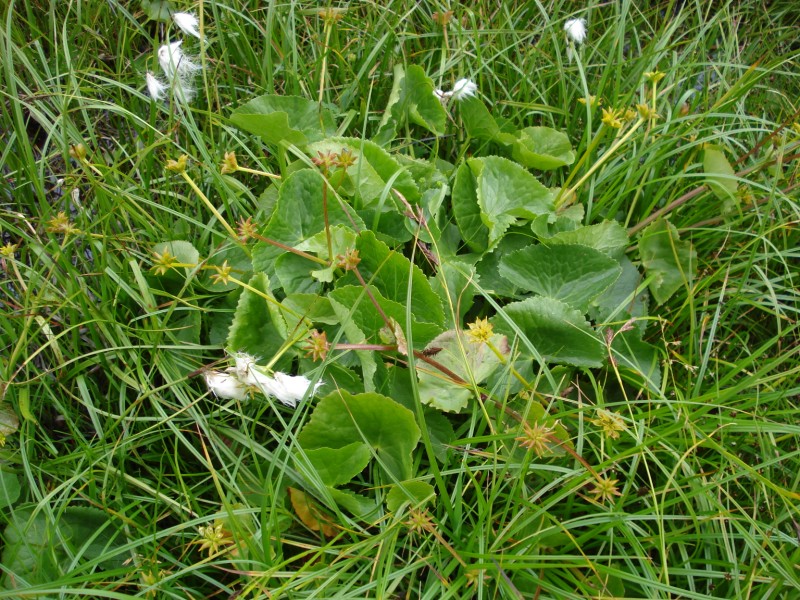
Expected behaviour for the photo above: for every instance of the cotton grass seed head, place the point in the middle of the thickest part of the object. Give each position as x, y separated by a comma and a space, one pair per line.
291, 389
155, 87
226, 385
576, 30
464, 88
187, 23
174, 62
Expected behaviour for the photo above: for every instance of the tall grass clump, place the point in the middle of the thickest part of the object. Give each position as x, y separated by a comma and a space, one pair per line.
409, 300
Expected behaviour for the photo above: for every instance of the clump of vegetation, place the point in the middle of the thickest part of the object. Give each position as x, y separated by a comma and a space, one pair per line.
425, 301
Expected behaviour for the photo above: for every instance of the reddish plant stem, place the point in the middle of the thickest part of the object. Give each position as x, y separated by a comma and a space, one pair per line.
484, 397
325, 216
696, 192
277, 244
372, 298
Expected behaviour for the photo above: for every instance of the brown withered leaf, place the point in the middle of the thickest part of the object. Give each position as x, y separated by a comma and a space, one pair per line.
310, 514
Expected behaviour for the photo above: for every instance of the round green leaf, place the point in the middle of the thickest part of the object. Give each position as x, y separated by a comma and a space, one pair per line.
337, 466
557, 332
608, 237
472, 362
572, 273
341, 418
414, 492
283, 119
252, 330
507, 192
9, 488
669, 261
158, 10
542, 148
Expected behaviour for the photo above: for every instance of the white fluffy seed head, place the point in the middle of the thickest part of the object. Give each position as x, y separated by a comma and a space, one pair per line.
226, 385
576, 30
291, 389
155, 87
174, 62
464, 88
187, 23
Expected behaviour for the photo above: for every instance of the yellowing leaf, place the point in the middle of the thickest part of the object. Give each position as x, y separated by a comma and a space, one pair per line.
310, 514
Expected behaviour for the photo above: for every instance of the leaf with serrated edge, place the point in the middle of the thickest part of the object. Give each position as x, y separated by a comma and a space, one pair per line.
572, 273
252, 331
415, 493
507, 192
283, 119
542, 148
609, 237
337, 466
559, 333
298, 215
391, 273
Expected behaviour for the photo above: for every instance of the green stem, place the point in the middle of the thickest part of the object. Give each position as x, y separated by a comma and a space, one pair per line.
208, 203
257, 172
565, 196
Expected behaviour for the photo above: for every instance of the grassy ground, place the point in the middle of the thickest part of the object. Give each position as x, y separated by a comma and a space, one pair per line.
122, 461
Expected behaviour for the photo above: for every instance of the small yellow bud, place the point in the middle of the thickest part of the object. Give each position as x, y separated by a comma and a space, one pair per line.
480, 331
163, 262
646, 112
229, 164
345, 158
654, 76
61, 224
605, 489
442, 18
611, 118
629, 114
247, 229
332, 15
317, 346
594, 101
349, 260
78, 152
223, 274
178, 166
610, 422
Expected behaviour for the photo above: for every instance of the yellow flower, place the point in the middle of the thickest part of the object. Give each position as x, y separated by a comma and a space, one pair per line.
537, 438
646, 112
610, 423
611, 117
480, 331
61, 224
229, 164
594, 101
223, 274
629, 115
215, 538
78, 152
654, 76
605, 489
419, 520
178, 166
163, 262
